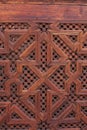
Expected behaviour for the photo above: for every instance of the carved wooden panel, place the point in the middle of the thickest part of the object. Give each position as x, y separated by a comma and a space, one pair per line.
43, 76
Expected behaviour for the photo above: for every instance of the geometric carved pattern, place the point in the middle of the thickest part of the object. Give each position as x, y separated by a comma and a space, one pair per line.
43, 76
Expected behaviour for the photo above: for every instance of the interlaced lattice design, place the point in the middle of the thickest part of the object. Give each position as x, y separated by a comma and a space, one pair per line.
43, 76
43, 27
73, 38
3, 78
43, 97
80, 125
73, 26
14, 55
31, 56
13, 98
83, 77
19, 127
55, 56
59, 77
55, 98
27, 77
59, 110
43, 126
43, 57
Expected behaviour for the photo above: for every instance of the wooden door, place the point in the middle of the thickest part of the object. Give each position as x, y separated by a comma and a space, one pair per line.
43, 65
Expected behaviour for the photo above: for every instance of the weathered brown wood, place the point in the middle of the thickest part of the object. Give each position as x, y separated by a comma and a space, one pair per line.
84, 2
12, 12
43, 66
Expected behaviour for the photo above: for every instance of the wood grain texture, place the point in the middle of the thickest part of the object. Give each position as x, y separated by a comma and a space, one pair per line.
22, 12
45, 1
43, 67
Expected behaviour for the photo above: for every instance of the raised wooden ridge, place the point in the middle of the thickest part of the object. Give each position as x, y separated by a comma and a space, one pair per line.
45, 1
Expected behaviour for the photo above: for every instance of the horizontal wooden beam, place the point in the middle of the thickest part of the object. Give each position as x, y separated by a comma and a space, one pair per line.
26, 12
45, 1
